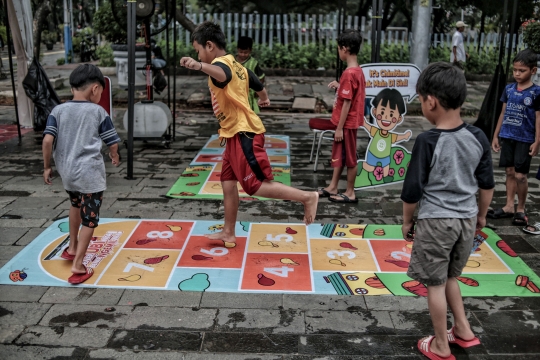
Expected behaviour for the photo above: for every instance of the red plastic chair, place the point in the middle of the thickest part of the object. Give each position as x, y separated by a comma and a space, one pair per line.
324, 129
106, 97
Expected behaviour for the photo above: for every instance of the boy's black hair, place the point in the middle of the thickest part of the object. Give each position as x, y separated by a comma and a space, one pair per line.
85, 75
350, 39
209, 31
391, 96
445, 82
527, 57
245, 43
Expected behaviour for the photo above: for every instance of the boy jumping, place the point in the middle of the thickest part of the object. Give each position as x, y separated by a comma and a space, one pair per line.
449, 164
519, 130
73, 134
245, 159
347, 116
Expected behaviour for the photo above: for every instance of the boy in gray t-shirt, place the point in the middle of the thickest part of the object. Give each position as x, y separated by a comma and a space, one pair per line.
73, 135
449, 165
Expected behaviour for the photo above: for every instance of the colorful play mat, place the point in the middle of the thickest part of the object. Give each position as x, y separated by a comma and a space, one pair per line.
8, 132
201, 179
333, 259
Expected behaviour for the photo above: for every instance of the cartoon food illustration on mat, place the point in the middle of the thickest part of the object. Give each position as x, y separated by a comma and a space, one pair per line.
501, 244
375, 282
267, 243
201, 257
524, 281
174, 228
379, 232
337, 262
198, 282
467, 281
17, 275
289, 261
156, 260
131, 278
415, 287
347, 245
291, 231
265, 281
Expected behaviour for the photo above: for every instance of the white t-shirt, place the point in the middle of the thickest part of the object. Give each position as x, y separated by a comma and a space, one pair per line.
457, 41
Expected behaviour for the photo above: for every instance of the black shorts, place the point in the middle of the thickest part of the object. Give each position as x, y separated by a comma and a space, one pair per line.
515, 154
89, 205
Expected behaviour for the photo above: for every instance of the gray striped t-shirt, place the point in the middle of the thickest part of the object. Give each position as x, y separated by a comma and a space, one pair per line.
79, 127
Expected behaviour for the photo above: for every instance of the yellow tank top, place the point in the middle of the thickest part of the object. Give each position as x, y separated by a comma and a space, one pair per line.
231, 104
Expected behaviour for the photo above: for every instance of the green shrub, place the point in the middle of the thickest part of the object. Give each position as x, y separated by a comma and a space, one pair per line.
105, 24
60, 61
531, 36
3, 33
105, 55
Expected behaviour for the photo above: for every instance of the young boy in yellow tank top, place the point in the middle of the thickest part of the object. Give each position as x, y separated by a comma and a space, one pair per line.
245, 158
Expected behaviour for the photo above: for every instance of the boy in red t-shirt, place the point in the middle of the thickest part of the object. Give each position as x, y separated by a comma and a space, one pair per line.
347, 117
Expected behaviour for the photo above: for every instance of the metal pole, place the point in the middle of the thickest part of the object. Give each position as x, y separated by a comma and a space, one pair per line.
338, 60
167, 44
174, 76
131, 28
498, 86
373, 31
67, 32
71, 20
421, 30
379, 30
10, 52
511, 41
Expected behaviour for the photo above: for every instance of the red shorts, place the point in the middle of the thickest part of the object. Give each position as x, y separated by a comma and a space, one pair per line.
245, 160
344, 152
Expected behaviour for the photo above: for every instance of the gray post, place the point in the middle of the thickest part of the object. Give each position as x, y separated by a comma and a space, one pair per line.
264, 20
250, 26
421, 25
271, 31
243, 31
236, 27
257, 28
285, 30
229, 26
131, 29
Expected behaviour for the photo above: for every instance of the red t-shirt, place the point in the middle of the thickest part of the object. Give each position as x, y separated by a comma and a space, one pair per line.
352, 86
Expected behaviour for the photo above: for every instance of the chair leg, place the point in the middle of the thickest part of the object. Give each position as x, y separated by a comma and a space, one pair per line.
312, 147
318, 150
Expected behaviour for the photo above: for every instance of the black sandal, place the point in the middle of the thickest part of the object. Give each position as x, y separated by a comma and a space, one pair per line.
520, 219
323, 193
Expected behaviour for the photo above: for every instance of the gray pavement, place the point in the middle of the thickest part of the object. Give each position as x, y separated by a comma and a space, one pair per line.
60, 323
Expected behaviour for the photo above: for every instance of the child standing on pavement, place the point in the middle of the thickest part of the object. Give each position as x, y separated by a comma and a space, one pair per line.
519, 130
245, 159
243, 56
347, 116
449, 164
73, 134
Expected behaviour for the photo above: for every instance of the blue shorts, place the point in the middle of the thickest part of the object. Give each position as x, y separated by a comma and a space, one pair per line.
374, 161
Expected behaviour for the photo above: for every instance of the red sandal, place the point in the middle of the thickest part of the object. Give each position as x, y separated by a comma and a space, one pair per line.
454, 339
80, 278
424, 346
67, 256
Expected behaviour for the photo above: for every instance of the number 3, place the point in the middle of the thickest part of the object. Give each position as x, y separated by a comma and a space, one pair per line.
331, 254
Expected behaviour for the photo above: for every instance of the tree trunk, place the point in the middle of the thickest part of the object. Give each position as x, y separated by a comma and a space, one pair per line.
482, 28
184, 21
39, 20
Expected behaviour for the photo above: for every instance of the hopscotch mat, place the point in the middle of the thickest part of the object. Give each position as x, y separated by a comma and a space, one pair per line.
200, 180
267, 258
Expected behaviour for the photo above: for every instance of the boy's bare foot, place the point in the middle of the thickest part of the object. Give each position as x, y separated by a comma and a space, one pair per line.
463, 333
225, 237
78, 270
435, 347
310, 207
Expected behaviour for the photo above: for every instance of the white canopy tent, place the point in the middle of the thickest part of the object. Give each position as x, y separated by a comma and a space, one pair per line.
20, 22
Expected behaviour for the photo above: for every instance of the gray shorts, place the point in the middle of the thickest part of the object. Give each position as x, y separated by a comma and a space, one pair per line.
441, 249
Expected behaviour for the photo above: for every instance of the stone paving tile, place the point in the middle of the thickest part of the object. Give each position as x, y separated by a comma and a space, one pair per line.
46, 204
350, 322
134, 355
29, 236
11, 235
155, 340
250, 343
155, 318
18, 293
6, 200
21, 313
496, 304
209, 356
241, 300
9, 332
64, 336
35, 213
189, 299
8, 252
348, 344
401, 303
352, 357
323, 302
257, 320
22, 223
523, 323
148, 214
93, 316
12, 352
88, 296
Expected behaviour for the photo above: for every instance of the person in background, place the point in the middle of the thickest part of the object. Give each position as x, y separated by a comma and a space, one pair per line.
243, 56
458, 56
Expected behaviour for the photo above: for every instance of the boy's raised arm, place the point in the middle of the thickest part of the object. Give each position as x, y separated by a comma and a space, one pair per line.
213, 71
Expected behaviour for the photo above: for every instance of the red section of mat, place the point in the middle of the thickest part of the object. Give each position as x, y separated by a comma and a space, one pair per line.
8, 132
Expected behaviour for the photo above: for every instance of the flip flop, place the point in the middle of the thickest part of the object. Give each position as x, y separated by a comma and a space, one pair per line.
532, 229
324, 193
424, 346
345, 199
67, 256
454, 339
499, 214
520, 219
80, 278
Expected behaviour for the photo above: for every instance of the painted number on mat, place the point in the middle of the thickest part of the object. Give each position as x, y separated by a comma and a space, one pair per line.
159, 234
280, 271
218, 251
286, 237
143, 267
332, 254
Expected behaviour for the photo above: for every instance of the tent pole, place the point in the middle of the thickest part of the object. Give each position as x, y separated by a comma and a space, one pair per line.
10, 52
131, 27
174, 73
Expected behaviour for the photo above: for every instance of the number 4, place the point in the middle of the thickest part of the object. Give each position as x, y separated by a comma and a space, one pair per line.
280, 271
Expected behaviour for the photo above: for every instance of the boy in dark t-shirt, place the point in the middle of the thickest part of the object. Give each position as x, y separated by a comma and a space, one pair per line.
449, 164
347, 116
519, 130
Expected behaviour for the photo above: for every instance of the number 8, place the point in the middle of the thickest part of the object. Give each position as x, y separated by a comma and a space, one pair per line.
159, 234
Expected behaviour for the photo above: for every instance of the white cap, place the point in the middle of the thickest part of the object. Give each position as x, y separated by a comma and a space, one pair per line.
461, 24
